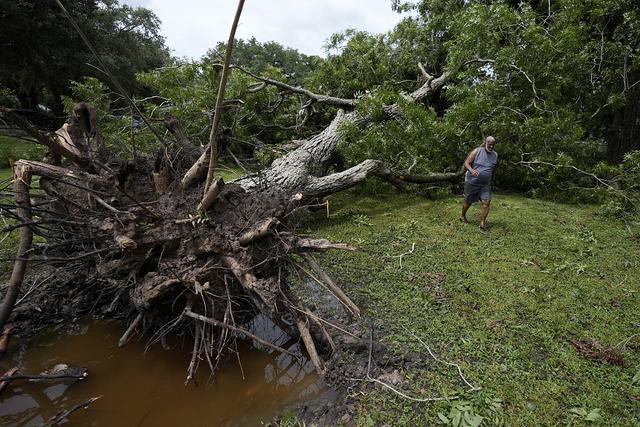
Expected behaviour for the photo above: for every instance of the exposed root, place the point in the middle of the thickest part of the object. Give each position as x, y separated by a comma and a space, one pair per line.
332, 287
125, 337
131, 231
303, 326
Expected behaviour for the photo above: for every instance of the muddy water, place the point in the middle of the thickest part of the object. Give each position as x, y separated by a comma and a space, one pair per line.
141, 388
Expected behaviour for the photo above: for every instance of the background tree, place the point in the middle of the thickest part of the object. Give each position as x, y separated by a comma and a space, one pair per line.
42, 53
260, 57
555, 82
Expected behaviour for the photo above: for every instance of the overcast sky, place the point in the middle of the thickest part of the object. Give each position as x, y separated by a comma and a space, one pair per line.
193, 26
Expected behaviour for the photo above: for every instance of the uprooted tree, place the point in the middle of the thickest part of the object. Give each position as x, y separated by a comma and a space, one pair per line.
177, 255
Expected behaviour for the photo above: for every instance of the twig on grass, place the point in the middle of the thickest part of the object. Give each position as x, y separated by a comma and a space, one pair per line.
622, 344
471, 386
369, 378
409, 252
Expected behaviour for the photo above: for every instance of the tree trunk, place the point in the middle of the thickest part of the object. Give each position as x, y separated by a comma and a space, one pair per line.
130, 229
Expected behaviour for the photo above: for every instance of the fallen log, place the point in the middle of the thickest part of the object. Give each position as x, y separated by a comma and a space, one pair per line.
161, 247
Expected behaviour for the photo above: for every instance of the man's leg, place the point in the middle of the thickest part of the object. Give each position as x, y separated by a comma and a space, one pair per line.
470, 196
486, 204
465, 208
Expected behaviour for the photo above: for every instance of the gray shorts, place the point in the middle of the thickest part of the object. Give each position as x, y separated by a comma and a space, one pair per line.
474, 192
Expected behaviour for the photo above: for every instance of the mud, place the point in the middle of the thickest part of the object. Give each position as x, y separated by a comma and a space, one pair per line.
145, 386
335, 402
138, 251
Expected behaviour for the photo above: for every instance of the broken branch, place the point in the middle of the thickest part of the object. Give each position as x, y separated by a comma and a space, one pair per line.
21, 185
335, 289
242, 331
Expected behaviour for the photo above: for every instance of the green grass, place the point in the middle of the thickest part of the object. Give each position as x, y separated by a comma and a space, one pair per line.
503, 304
5, 174
12, 148
228, 172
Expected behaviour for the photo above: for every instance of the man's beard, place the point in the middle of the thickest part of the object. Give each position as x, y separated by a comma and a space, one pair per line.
489, 149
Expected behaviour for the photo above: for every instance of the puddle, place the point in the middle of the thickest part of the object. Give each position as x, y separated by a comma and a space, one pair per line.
147, 389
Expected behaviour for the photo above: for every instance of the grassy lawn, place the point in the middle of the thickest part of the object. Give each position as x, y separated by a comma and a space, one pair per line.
12, 148
5, 174
503, 304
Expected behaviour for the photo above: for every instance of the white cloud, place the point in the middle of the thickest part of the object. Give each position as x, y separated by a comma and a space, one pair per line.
193, 26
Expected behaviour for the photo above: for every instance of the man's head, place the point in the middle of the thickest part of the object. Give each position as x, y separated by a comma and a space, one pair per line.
489, 143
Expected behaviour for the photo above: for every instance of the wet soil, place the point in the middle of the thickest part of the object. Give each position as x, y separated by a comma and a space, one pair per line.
144, 385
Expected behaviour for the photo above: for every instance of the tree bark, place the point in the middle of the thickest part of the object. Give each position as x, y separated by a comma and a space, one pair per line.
303, 169
168, 255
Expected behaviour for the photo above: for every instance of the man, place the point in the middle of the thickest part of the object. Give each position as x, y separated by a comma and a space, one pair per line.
481, 167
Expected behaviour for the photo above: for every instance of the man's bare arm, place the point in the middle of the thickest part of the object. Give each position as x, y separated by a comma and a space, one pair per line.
469, 162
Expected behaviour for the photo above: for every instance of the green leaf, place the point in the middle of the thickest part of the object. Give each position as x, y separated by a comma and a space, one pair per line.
457, 418
594, 415
473, 420
442, 417
581, 412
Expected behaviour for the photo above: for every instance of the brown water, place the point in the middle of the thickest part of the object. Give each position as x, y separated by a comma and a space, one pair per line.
147, 389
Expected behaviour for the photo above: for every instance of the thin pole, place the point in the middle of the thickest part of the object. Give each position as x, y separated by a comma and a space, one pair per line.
213, 140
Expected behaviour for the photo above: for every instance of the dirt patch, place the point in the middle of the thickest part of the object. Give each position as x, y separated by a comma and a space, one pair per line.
592, 349
434, 283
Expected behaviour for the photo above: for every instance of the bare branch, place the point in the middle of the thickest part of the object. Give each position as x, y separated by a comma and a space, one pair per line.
213, 135
239, 330
321, 99
21, 185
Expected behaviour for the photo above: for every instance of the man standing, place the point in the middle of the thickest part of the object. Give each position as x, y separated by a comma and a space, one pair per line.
481, 167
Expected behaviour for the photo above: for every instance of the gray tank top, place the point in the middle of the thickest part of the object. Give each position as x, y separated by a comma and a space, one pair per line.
484, 163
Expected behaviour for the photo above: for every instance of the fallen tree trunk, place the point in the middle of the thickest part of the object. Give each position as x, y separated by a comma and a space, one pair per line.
304, 169
174, 258
164, 252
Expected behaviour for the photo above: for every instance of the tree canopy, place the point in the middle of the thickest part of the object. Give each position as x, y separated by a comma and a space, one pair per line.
555, 82
42, 53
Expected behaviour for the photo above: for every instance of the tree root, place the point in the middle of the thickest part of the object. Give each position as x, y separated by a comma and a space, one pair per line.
166, 253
